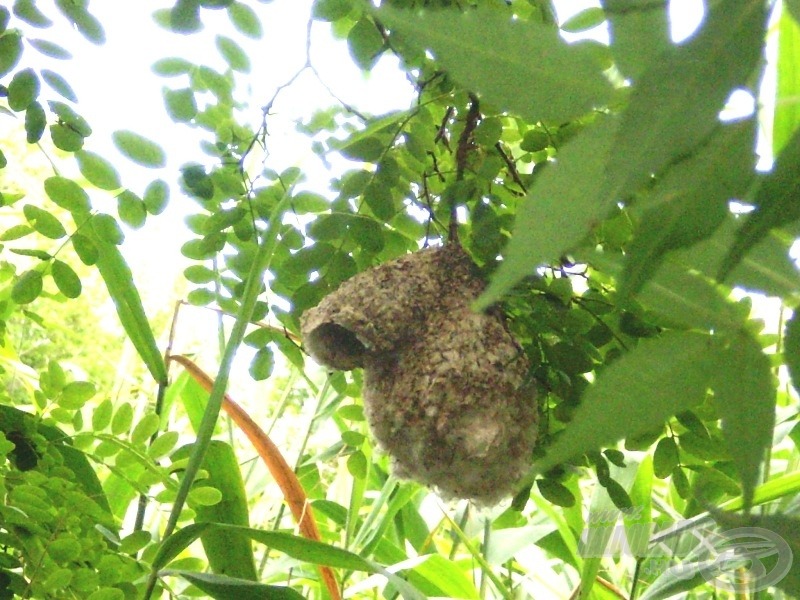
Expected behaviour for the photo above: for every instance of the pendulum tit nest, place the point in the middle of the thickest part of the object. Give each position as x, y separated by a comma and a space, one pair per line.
444, 387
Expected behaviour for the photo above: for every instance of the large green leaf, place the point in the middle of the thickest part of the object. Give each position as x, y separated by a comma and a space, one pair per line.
675, 104
638, 34
560, 209
523, 67
776, 204
636, 393
229, 553
231, 588
744, 396
690, 202
787, 94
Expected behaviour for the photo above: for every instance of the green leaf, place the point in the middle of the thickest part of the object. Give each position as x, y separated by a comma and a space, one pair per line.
172, 66
665, 458
101, 417
23, 89
145, 428
35, 122
107, 229
567, 85
229, 553
10, 51
59, 84
584, 20
66, 138
690, 202
365, 42
49, 48
85, 249
15, 232
245, 20
689, 84
27, 11
156, 196
139, 149
638, 35
555, 493
230, 588
76, 393
559, 210
184, 17
636, 393
67, 281
97, 170
86, 23
262, 364
123, 419
131, 209
27, 288
787, 71
5, 17
44, 222
775, 201
163, 444
233, 54
744, 397
181, 105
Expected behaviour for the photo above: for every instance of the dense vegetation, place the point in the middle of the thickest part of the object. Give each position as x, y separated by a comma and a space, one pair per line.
609, 194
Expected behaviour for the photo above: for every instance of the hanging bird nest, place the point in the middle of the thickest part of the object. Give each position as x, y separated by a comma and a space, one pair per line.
445, 390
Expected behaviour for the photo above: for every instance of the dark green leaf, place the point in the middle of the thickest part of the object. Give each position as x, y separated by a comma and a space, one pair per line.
791, 348
35, 122
567, 85
184, 17
139, 149
59, 84
156, 197
559, 210
27, 288
332, 10
23, 89
131, 209
219, 587
30, 13
665, 458
5, 16
689, 85
636, 393
86, 23
44, 222
555, 493
744, 396
97, 170
40, 254
10, 51
618, 495
50, 49
67, 281
181, 105
107, 229
233, 54
262, 364
245, 20
66, 193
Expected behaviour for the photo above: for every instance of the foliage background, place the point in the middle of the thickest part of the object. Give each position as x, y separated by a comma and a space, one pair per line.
617, 218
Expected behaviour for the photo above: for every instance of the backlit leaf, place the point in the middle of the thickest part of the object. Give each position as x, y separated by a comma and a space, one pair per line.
566, 85
27, 288
35, 122
139, 149
97, 170
245, 19
638, 36
85, 249
50, 49
59, 84
233, 54
10, 51
181, 105
156, 197
23, 89
107, 229
262, 364
44, 222
30, 13
67, 281
131, 209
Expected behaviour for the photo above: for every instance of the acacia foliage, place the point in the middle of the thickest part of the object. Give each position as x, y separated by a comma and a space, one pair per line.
593, 184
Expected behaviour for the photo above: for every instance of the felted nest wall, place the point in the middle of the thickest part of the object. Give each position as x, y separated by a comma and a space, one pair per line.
444, 387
